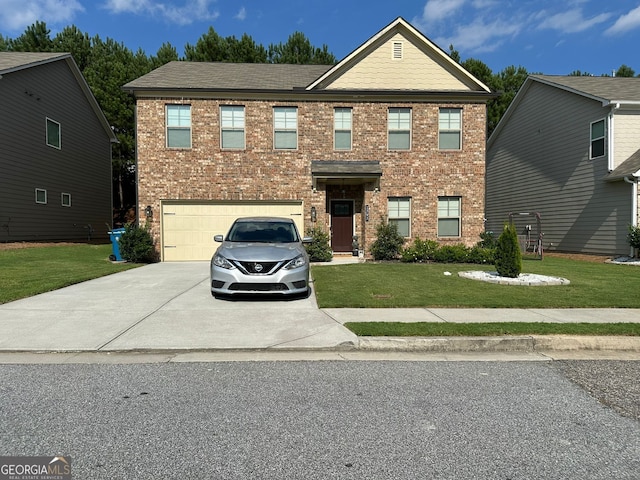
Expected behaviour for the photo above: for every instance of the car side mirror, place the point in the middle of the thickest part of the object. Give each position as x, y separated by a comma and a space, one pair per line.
218, 238
307, 239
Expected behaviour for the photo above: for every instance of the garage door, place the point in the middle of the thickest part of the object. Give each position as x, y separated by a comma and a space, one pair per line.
188, 227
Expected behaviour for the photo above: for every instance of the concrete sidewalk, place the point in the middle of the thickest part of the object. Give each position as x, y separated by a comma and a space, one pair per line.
168, 308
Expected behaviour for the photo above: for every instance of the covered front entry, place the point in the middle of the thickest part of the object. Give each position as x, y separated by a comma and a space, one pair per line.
188, 227
341, 225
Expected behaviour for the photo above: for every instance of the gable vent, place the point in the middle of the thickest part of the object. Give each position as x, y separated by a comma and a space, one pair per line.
397, 50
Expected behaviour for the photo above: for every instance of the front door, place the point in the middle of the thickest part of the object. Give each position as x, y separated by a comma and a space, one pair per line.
341, 225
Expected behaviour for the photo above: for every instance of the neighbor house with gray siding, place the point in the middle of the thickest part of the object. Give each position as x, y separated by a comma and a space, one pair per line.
55, 151
568, 148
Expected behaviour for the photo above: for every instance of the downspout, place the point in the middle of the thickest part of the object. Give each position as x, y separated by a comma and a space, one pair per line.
610, 136
634, 204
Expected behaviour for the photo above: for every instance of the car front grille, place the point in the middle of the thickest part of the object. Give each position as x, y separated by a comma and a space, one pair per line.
259, 287
258, 268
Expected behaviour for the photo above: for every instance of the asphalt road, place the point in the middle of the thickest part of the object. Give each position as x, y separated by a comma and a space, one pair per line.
320, 420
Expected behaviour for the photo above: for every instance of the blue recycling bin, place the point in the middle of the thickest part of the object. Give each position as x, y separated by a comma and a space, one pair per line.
115, 235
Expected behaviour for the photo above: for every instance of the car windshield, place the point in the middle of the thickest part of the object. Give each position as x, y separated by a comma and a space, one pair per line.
263, 232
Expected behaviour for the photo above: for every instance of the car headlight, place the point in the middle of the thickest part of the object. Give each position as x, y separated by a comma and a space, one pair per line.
220, 261
297, 262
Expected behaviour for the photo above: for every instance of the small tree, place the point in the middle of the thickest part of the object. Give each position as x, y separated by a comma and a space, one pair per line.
136, 244
319, 249
633, 237
508, 258
388, 243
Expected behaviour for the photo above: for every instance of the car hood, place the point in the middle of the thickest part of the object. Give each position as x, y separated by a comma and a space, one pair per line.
262, 252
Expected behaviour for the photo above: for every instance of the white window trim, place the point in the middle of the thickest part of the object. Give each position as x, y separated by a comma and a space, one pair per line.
591, 140
335, 130
62, 198
296, 130
458, 217
389, 218
46, 126
234, 129
410, 130
167, 126
459, 149
41, 190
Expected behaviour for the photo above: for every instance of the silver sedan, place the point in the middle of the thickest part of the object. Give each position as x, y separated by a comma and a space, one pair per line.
260, 255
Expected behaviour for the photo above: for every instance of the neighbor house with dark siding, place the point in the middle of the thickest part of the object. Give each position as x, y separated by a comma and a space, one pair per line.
568, 148
55, 152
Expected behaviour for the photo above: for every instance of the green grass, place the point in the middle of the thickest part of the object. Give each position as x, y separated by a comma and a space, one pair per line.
429, 329
397, 285
29, 271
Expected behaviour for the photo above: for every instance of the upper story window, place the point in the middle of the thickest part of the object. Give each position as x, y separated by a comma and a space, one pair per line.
232, 127
179, 126
399, 124
449, 213
53, 134
65, 200
41, 196
450, 129
400, 214
285, 128
597, 139
342, 128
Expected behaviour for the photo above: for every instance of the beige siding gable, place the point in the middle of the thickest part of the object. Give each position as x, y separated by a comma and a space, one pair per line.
418, 68
626, 135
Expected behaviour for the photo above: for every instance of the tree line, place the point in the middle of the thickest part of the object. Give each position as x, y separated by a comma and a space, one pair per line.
108, 64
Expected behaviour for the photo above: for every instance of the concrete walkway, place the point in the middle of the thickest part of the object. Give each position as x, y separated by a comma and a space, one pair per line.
167, 308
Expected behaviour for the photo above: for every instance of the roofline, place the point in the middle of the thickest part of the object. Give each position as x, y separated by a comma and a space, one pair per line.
398, 21
53, 58
291, 95
605, 101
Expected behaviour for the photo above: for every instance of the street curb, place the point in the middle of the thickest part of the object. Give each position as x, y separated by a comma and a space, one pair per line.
527, 343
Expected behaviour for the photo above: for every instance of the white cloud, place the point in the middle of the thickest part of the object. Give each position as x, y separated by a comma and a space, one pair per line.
480, 36
572, 21
437, 10
625, 23
17, 15
190, 11
242, 14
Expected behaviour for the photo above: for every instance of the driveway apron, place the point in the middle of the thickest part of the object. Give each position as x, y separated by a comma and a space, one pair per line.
163, 306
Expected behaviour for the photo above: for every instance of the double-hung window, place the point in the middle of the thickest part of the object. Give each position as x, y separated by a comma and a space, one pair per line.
285, 128
449, 216
232, 127
53, 134
450, 129
400, 214
342, 128
596, 148
399, 125
179, 126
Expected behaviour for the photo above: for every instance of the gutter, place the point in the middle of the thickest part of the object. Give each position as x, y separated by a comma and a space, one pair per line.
634, 203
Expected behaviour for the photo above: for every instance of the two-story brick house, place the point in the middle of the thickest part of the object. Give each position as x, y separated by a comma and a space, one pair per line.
395, 131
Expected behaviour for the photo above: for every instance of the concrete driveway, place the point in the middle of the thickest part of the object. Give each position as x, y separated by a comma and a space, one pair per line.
163, 306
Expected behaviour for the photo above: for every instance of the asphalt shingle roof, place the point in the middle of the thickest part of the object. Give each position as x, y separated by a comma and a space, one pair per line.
606, 88
14, 60
228, 76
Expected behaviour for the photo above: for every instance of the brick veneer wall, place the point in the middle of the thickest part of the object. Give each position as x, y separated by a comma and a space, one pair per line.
259, 172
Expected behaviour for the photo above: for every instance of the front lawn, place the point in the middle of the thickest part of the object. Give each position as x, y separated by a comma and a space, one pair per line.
29, 271
396, 285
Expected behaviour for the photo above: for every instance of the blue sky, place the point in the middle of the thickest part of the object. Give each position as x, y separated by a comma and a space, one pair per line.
544, 36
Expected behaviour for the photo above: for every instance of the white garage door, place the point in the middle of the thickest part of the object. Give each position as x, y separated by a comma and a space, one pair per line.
188, 228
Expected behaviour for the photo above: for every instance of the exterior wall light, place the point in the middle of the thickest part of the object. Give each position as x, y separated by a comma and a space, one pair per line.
148, 211
314, 214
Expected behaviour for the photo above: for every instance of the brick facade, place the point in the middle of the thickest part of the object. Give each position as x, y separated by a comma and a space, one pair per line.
258, 172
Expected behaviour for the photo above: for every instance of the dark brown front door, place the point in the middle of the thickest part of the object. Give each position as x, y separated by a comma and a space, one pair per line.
341, 225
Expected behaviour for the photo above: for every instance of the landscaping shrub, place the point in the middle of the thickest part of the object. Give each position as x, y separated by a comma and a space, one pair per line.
420, 251
487, 240
508, 258
458, 253
319, 249
388, 243
633, 237
481, 255
136, 244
